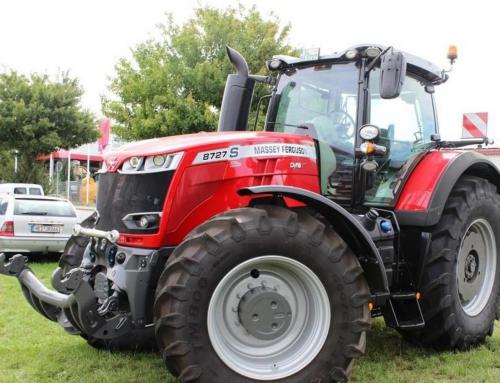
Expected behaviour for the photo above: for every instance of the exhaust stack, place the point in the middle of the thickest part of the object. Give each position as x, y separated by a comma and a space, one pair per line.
237, 97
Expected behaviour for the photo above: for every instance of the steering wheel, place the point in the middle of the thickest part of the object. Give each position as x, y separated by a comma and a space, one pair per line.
344, 124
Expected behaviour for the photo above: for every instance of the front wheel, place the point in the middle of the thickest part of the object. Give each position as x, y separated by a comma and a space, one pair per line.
262, 294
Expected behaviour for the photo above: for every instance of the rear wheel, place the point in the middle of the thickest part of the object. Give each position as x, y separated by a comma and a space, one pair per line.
461, 280
262, 294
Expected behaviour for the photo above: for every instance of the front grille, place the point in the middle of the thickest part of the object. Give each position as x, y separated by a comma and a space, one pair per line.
122, 194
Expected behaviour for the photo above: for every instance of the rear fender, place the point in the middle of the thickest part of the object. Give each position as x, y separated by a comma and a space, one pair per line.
344, 223
424, 195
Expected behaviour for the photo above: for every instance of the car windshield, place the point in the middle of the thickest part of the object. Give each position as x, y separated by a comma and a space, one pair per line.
51, 208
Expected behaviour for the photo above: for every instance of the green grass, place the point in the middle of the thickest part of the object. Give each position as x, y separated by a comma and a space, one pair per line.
36, 350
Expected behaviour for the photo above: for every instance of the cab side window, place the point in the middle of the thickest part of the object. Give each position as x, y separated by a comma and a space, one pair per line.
408, 118
406, 124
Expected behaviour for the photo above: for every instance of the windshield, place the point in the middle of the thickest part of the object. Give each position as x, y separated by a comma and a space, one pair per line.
321, 101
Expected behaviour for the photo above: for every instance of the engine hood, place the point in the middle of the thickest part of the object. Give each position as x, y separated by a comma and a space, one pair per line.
174, 144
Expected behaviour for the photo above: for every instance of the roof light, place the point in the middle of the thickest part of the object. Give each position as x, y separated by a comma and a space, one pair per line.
274, 64
351, 54
372, 52
452, 53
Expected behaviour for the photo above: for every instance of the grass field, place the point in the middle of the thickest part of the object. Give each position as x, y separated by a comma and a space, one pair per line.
33, 349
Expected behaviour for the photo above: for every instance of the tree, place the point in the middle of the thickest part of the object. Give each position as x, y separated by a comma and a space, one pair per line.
174, 85
38, 116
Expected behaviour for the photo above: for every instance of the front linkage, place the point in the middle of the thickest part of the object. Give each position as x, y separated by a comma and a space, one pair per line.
78, 311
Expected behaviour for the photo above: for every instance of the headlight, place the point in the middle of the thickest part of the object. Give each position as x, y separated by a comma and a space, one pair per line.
152, 164
132, 165
142, 221
159, 160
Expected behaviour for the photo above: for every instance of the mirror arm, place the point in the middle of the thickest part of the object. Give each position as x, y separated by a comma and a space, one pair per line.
269, 80
441, 144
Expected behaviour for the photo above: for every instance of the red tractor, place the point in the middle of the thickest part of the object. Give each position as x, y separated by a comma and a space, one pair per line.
252, 256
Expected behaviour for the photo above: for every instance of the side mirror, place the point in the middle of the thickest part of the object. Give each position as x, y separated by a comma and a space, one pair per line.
392, 74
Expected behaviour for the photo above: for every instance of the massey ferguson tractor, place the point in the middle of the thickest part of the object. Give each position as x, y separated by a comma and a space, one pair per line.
257, 256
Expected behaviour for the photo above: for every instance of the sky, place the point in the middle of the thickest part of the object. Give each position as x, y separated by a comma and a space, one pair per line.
88, 37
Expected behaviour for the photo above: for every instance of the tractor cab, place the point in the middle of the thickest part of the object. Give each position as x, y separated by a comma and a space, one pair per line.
332, 99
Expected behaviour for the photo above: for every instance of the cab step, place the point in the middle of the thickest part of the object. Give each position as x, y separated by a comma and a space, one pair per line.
403, 311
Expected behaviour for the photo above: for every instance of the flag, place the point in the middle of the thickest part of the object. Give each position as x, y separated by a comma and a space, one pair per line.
104, 128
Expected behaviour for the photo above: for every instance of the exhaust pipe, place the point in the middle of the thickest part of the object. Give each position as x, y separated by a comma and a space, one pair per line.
237, 97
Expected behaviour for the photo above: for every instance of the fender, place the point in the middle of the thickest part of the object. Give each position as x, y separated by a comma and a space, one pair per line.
426, 191
347, 226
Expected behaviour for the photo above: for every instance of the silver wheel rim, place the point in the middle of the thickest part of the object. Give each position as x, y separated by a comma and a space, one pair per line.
476, 267
303, 314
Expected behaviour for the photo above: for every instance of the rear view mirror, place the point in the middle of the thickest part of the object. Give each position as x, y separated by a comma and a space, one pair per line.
392, 74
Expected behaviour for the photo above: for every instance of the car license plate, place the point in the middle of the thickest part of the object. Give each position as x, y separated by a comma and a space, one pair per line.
37, 228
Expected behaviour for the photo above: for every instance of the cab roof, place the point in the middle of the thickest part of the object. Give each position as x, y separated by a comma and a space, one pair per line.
415, 65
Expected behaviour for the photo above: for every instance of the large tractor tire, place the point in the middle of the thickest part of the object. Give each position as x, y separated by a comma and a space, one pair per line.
143, 339
461, 277
261, 294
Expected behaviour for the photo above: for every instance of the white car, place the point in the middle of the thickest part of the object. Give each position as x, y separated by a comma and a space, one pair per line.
35, 223
30, 189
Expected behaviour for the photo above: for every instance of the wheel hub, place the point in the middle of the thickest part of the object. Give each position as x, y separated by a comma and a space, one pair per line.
476, 266
264, 313
471, 266
268, 317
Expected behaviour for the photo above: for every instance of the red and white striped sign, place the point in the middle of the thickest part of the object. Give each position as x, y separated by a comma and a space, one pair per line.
475, 125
